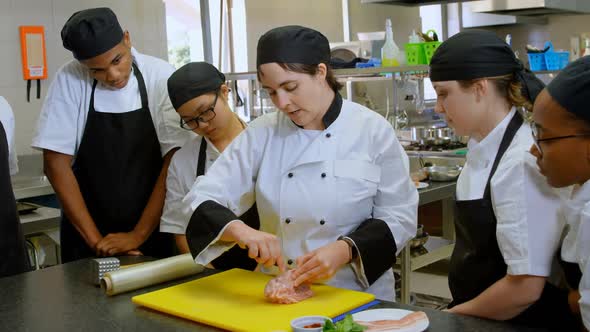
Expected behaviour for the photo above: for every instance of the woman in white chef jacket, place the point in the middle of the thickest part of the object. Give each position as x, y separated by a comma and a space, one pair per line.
199, 94
329, 177
507, 222
14, 258
562, 133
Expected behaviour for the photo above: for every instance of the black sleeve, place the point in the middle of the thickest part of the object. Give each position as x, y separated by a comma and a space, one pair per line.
376, 246
205, 224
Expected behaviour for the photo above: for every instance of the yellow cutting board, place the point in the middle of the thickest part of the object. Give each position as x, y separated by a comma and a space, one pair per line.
234, 300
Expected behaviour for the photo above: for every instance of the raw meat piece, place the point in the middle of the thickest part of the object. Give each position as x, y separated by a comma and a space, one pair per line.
410, 320
282, 290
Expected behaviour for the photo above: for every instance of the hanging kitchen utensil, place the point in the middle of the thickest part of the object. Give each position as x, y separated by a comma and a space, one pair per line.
33, 55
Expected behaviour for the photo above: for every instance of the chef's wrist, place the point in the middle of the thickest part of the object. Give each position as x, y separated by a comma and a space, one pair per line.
140, 235
573, 299
233, 230
352, 253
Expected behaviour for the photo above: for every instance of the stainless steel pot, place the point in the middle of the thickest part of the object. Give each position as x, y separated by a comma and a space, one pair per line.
417, 133
443, 173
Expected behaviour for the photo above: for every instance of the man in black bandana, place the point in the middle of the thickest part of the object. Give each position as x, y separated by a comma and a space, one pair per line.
507, 228
329, 177
562, 147
107, 131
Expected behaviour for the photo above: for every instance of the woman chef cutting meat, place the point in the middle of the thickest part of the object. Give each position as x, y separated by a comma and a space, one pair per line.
507, 229
198, 93
329, 177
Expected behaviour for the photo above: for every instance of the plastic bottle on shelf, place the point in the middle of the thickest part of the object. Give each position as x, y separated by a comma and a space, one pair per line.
586, 47
414, 38
390, 54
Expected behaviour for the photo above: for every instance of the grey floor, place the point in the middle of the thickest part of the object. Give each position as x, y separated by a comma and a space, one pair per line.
429, 286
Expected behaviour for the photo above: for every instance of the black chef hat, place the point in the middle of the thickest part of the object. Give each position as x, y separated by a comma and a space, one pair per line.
477, 54
571, 88
293, 44
91, 32
192, 80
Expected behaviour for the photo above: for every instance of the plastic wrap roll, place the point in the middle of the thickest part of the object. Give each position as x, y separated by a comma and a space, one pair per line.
150, 273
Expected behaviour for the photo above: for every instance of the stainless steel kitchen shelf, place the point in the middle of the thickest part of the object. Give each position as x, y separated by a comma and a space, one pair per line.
435, 154
437, 248
41, 220
25, 187
381, 70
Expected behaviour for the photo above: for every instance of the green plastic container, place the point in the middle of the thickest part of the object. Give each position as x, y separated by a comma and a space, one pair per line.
430, 47
415, 54
421, 53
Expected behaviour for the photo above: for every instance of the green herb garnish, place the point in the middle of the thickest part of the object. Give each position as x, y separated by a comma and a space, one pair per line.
345, 325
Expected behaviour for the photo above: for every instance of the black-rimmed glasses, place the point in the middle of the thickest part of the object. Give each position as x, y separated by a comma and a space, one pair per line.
204, 117
537, 140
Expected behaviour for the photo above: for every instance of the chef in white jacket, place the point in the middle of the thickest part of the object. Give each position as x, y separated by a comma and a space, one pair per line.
107, 131
199, 94
562, 146
14, 258
507, 224
329, 176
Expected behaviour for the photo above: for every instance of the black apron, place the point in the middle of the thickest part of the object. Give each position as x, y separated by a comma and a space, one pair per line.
117, 166
477, 262
571, 272
236, 256
13, 252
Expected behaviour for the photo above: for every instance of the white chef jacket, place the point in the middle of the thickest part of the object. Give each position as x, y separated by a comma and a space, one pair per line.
326, 182
181, 176
7, 119
576, 243
526, 207
65, 110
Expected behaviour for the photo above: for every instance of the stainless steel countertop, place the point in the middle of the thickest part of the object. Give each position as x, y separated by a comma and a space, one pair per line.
437, 191
31, 186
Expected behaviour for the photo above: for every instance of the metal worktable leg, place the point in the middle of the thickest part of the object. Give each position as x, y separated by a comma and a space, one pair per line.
406, 271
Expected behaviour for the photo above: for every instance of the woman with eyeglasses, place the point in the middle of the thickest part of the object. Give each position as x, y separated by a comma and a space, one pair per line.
562, 147
329, 177
200, 96
507, 228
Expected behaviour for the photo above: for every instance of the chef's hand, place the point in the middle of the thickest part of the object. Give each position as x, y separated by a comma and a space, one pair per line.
263, 247
322, 263
118, 243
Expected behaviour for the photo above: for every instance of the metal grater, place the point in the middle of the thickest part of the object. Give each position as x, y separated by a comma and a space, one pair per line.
100, 266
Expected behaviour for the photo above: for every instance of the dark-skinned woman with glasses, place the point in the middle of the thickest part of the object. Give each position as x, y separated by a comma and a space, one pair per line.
200, 96
507, 224
562, 146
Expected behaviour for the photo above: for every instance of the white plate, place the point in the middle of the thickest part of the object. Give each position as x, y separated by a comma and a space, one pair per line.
422, 185
379, 314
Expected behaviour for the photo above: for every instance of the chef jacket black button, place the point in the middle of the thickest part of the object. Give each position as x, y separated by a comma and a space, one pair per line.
322, 222
290, 175
323, 175
328, 135
288, 220
290, 262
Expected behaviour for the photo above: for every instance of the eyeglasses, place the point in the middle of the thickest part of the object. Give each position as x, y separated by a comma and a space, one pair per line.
204, 117
535, 131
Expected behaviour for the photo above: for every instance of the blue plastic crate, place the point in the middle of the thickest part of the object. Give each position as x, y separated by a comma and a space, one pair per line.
557, 60
537, 61
549, 60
